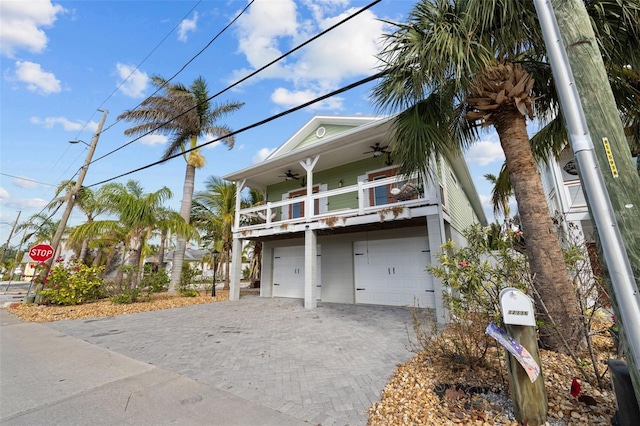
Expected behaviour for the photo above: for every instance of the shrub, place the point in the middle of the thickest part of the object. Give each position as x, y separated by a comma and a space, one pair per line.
186, 289
472, 277
73, 285
130, 295
155, 282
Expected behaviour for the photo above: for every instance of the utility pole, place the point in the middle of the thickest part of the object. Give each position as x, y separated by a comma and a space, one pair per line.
71, 196
609, 180
6, 246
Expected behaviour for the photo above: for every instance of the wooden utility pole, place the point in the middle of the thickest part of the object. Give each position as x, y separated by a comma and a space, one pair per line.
71, 196
606, 161
13, 228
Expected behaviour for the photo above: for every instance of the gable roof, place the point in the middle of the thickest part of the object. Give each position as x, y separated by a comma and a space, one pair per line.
315, 131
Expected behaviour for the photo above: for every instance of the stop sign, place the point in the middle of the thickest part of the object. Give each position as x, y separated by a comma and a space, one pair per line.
41, 252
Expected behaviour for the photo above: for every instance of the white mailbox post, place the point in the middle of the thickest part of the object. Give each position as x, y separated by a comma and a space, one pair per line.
529, 398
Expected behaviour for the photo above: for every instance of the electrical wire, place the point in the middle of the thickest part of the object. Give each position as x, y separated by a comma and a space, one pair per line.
254, 125
28, 180
189, 61
243, 79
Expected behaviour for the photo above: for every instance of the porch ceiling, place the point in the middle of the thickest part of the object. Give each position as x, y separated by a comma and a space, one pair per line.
338, 150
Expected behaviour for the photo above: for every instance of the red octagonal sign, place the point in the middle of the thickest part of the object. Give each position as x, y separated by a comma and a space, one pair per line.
41, 252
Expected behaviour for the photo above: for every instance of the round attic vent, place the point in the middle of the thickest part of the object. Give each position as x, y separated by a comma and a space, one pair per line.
320, 132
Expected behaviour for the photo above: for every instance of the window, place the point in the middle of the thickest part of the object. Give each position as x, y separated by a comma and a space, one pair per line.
297, 209
381, 195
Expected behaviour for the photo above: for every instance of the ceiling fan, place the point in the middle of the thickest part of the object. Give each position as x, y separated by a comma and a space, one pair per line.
289, 175
377, 150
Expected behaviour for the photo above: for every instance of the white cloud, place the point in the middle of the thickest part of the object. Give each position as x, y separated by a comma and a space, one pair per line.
24, 203
25, 183
154, 139
36, 78
68, 125
271, 28
3, 193
484, 153
261, 155
21, 25
261, 27
133, 81
289, 99
187, 26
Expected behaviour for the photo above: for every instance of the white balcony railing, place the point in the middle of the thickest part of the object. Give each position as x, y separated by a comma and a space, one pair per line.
273, 213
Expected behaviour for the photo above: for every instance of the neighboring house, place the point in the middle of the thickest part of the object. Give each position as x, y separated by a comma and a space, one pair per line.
192, 256
340, 226
566, 200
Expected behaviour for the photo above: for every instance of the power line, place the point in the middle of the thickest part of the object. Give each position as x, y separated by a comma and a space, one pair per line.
243, 79
186, 64
29, 180
254, 125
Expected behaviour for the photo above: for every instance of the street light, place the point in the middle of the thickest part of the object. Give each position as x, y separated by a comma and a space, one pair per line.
79, 141
216, 254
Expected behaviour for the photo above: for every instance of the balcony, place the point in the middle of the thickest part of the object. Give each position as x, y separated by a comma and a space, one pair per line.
373, 201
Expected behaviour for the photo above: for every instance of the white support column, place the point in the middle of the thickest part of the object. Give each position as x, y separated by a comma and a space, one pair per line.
310, 269
308, 165
236, 270
236, 219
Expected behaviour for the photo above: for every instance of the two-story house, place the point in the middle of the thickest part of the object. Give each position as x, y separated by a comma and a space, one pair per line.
339, 225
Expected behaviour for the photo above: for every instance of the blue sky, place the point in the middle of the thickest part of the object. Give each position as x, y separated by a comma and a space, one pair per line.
62, 61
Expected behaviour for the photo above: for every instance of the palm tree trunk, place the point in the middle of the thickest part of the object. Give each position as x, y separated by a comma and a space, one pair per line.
163, 242
98, 258
83, 250
181, 245
551, 277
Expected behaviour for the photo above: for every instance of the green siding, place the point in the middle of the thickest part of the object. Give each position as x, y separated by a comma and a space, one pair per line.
331, 130
458, 205
348, 173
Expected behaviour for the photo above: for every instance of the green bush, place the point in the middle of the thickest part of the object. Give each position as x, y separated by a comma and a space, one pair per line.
473, 277
73, 285
186, 289
130, 295
155, 282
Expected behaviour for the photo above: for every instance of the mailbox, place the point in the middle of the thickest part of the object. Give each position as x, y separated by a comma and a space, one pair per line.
517, 307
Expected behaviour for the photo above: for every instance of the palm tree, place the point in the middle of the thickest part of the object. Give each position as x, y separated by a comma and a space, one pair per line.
87, 203
136, 213
501, 192
456, 66
168, 223
41, 226
214, 212
184, 114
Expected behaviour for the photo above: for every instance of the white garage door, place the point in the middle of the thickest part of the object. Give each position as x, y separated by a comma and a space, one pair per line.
288, 272
393, 272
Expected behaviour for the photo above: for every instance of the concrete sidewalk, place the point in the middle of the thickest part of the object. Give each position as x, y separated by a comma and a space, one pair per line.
48, 378
256, 361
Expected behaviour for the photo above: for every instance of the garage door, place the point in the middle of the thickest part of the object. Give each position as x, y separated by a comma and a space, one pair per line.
393, 272
288, 272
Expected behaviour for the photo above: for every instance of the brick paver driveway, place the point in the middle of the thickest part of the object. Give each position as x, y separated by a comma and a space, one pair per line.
325, 366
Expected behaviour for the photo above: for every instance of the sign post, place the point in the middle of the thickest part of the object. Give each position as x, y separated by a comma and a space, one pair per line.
529, 396
39, 253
